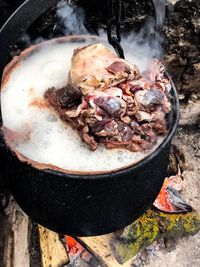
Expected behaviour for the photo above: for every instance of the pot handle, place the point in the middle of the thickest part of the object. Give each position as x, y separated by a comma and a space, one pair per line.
18, 23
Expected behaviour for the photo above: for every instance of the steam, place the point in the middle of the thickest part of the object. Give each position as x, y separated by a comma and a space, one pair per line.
160, 13
71, 19
140, 47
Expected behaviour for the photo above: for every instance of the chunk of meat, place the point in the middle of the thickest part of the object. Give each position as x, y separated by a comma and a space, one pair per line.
109, 129
65, 97
149, 98
96, 67
90, 141
108, 102
111, 105
100, 125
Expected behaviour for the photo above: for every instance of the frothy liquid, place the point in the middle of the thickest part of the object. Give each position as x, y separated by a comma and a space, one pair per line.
46, 139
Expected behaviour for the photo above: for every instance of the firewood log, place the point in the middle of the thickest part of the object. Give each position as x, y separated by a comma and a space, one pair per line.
14, 236
52, 250
148, 228
99, 246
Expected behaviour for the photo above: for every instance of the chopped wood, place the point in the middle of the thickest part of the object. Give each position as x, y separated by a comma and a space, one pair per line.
119, 249
53, 252
14, 235
100, 247
150, 227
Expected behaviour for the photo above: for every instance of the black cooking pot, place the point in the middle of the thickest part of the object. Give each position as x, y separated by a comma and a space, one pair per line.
81, 205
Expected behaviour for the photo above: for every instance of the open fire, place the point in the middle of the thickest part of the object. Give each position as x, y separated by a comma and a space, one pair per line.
169, 200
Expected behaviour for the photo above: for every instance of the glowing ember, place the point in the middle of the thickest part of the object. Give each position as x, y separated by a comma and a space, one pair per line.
78, 255
169, 199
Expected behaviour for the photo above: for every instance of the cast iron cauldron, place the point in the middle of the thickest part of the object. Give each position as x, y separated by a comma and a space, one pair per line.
81, 205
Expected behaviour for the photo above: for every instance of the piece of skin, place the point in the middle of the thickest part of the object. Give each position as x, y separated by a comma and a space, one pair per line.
101, 69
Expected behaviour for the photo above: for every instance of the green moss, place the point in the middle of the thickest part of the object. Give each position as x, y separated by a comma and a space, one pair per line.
151, 226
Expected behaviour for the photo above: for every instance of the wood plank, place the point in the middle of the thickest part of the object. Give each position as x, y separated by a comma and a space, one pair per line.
14, 237
53, 253
100, 247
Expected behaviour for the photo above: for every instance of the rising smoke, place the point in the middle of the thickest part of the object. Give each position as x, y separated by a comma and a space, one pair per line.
71, 19
141, 46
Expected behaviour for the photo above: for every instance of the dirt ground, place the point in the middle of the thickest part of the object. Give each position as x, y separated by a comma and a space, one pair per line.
185, 252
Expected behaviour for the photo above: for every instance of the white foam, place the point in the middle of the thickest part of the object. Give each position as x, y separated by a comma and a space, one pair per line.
51, 142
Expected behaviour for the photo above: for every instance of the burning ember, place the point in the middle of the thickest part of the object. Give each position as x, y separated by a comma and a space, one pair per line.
74, 248
78, 255
169, 198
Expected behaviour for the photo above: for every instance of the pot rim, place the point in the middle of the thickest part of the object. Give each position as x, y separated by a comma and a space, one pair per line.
116, 172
